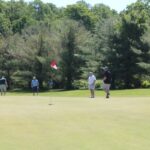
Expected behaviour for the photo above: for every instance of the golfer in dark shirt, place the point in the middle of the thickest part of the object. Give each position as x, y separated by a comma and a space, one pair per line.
3, 85
107, 81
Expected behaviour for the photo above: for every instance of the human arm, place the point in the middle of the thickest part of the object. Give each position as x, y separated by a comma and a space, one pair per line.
6, 83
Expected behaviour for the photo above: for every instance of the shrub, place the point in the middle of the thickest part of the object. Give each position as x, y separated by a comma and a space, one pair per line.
98, 84
146, 84
80, 84
83, 84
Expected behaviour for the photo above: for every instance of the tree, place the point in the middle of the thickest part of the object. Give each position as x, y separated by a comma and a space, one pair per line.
4, 25
122, 47
81, 13
75, 47
129, 47
134, 21
39, 51
103, 12
9, 56
18, 14
105, 46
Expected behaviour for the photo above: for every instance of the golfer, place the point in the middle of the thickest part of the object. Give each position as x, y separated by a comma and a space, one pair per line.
35, 85
107, 81
91, 84
3, 85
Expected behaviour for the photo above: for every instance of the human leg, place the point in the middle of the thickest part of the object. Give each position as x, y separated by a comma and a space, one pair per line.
33, 90
90, 93
1, 90
106, 88
37, 90
93, 93
4, 89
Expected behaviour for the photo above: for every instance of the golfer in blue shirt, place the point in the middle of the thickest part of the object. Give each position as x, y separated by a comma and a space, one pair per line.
35, 85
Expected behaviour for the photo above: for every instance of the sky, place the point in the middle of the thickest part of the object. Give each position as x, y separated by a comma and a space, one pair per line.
118, 5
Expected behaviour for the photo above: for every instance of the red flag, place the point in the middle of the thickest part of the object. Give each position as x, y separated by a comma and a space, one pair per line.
53, 64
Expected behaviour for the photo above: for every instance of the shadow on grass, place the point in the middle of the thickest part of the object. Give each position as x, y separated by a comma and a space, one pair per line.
41, 91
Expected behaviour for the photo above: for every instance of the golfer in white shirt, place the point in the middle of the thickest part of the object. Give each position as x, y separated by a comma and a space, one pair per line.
91, 83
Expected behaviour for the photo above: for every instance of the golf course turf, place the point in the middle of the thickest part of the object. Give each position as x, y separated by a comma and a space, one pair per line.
74, 123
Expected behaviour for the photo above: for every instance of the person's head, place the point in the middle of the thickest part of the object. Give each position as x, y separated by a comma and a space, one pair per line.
34, 77
105, 68
90, 73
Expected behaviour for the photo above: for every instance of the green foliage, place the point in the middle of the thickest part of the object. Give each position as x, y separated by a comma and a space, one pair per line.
40, 41
81, 13
102, 11
145, 84
80, 84
122, 48
74, 44
133, 28
21, 79
81, 38
83, 84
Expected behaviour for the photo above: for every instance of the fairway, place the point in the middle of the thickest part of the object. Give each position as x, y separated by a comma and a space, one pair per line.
74, 123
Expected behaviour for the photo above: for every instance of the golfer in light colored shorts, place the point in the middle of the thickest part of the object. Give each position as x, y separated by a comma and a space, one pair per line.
91, 83
3, 85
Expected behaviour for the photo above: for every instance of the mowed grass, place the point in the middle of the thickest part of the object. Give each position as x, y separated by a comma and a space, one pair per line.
85, 93
79, 123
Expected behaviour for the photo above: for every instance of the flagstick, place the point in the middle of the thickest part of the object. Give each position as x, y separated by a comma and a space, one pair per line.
53, 65
50, 100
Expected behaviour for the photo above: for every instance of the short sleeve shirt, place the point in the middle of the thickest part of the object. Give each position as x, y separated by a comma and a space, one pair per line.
91, 79
2, 81
35, 83
107, 75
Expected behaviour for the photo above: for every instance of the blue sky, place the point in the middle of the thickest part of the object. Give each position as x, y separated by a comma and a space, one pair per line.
118, 5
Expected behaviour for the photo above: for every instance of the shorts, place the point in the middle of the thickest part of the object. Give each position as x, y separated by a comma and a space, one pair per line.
106, 86
35, 89
91, 87
3, 88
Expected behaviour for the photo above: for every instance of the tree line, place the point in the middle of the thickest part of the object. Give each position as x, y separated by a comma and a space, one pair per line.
79, 37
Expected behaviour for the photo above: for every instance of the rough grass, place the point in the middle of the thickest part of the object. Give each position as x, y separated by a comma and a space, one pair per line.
79, 123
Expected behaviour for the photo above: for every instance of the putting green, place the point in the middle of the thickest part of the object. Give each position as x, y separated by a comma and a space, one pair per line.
55, 123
